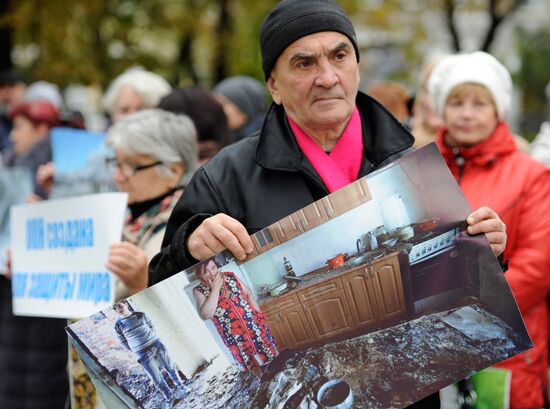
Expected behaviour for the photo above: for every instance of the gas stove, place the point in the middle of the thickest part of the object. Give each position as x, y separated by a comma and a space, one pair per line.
428, 245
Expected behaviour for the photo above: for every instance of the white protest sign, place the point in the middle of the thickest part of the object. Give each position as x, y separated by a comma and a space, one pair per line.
59, 251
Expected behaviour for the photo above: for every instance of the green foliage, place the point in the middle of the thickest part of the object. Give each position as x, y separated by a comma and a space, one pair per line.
192, 41
92, 41
534, 74
244, 47
532, 77
87, 41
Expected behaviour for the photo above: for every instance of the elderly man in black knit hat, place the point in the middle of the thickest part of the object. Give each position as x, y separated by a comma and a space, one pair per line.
320, 134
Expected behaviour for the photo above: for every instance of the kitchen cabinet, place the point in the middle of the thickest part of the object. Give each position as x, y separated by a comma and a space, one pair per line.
262, 240
286, 229
340, 304
375, 292
321, 211
346, 198
265, 239
300, 222
288, 324
326, 309
310, 216
388, 288
360, 296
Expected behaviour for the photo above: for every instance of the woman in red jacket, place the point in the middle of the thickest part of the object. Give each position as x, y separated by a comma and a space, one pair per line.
472, 92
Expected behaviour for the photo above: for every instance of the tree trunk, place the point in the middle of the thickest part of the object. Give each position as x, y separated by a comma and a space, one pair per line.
496, 20
449, 14
185, 61
224, 32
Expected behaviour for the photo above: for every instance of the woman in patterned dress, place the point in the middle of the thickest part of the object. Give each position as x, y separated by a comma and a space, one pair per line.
222, 298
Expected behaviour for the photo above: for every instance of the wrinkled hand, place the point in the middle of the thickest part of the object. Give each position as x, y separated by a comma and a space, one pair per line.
129, 263
45, 175
218, 233
485, 220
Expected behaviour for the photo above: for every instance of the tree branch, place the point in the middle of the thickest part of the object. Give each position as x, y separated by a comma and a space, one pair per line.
496, 20
450, 8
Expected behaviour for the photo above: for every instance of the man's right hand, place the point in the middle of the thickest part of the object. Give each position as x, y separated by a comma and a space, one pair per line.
218, 233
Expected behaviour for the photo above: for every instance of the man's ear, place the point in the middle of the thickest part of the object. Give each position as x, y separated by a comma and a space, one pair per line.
273, 90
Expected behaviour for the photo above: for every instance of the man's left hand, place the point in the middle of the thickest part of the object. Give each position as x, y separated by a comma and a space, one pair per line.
485, 220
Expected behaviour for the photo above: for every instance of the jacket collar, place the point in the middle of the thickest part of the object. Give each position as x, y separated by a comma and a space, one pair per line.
500, 143
383, 136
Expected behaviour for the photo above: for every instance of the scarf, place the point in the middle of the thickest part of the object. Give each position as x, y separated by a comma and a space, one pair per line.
341, 166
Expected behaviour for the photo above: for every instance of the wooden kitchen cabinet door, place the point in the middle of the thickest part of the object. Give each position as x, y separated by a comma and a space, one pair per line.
346, 198
388, 287
265, 239
286, 229
360, 297
278, 332
297, 326
290, 328
310, 216
328, 314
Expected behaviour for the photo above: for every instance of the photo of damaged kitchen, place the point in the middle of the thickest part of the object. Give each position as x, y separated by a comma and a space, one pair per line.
378, 290
372, 297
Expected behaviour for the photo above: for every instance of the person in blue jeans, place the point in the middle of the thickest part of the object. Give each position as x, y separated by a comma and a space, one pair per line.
136, 332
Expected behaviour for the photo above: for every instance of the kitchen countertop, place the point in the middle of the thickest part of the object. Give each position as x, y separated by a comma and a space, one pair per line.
323, 274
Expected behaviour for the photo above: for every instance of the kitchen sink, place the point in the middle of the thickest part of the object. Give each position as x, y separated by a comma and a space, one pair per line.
365, 257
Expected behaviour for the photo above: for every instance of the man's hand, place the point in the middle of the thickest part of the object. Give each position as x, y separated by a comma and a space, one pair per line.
218, 233
485, 220
129, 263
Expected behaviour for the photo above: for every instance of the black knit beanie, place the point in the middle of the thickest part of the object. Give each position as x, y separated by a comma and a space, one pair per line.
291, 20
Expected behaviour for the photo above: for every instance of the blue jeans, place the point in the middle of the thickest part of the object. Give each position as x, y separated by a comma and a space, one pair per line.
155, 359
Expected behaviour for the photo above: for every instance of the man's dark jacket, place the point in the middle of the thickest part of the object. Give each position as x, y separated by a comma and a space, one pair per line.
264, 178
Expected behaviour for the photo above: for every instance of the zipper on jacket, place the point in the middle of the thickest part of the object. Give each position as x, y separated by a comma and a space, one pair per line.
459, 161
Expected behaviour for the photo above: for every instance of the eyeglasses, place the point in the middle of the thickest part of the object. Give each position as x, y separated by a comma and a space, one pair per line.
128, 170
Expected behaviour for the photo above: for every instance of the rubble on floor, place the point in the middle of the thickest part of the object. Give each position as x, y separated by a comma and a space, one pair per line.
390, 368
397, 366
213, 388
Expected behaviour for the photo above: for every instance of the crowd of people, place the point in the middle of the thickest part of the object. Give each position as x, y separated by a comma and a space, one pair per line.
200, 164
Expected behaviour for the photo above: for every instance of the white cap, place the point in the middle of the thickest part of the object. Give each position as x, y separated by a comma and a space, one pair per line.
44, 91
475, 68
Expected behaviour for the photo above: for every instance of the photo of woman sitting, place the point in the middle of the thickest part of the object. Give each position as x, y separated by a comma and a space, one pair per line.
222, 298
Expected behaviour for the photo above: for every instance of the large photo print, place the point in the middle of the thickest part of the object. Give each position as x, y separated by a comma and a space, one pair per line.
374, 296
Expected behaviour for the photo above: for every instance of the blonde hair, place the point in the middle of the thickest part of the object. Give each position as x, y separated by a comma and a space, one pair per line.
479, 90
